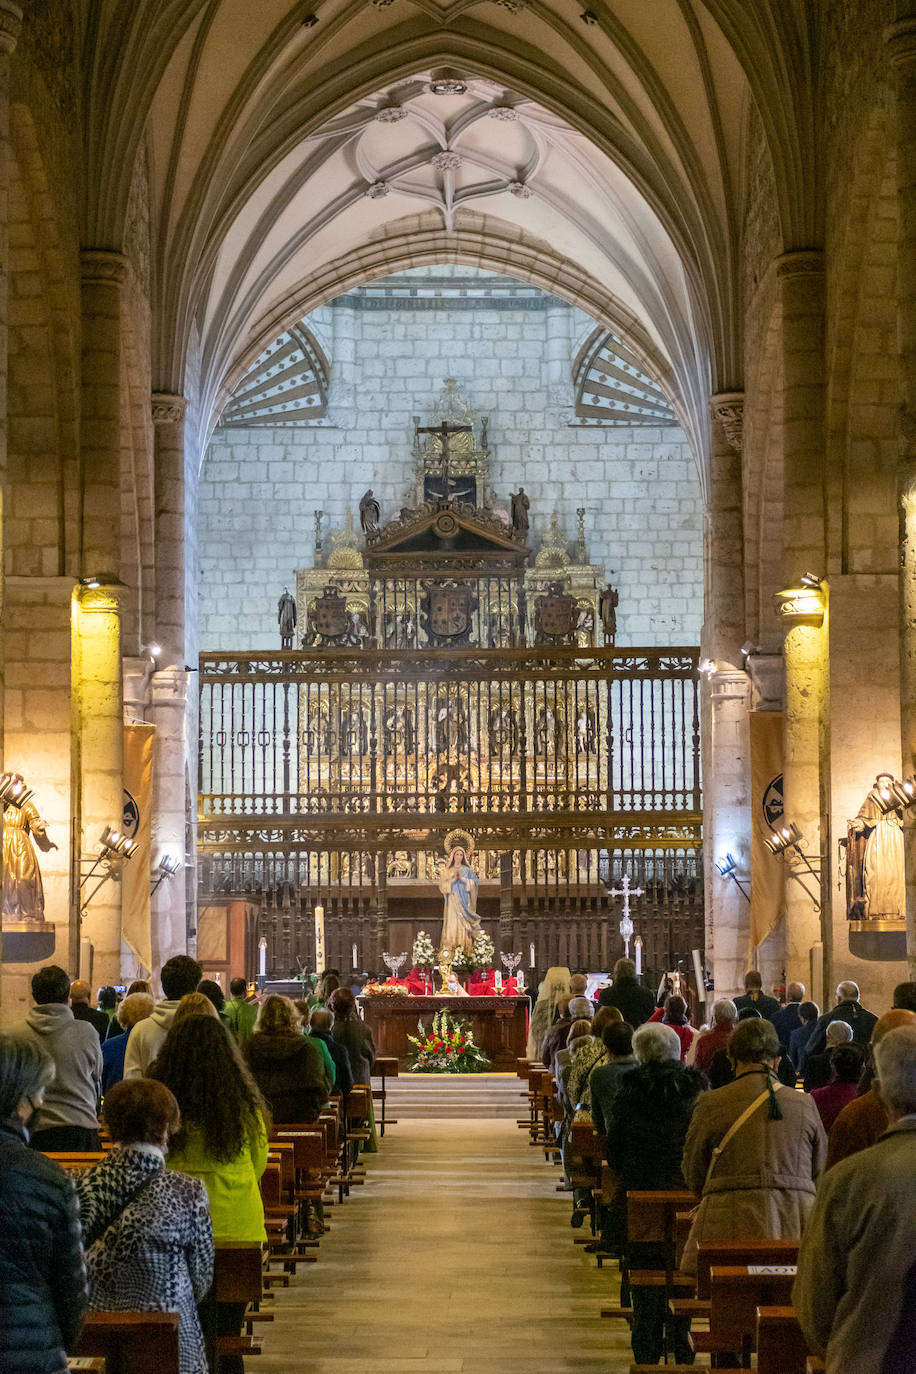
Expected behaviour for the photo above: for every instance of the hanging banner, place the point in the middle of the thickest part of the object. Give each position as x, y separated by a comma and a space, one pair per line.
767, 871
136, 925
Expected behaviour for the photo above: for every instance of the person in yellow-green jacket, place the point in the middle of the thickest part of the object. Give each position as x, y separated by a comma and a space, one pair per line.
222, 1142
240, 1011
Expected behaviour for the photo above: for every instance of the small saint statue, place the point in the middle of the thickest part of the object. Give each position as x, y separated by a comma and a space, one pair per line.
458, 884
607, 610
876, 885
520, 507
369, 513
23, 893
286, 619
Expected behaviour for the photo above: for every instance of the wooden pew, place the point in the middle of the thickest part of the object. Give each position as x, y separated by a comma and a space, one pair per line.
781, 1347
384, 1068
736, 1291
132, 1342
237, 1277
723, 1252
652, 1217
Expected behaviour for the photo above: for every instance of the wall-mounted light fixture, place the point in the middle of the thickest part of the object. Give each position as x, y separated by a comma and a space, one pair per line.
788, 839
706, 667
728, 868
115, 849
812, 580
805, 604
168, 866
13, 790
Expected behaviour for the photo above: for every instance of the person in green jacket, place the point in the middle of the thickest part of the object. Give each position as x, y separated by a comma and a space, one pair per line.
222, 1142
239, 1011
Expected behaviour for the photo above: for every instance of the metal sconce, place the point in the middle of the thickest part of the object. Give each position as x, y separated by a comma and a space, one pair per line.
788, 838
727, 867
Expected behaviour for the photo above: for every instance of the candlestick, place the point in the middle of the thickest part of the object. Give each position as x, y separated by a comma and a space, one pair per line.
319, 939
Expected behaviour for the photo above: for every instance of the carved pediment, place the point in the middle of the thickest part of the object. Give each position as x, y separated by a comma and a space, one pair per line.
443, 530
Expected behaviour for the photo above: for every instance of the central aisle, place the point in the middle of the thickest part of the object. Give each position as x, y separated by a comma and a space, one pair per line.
456, 1256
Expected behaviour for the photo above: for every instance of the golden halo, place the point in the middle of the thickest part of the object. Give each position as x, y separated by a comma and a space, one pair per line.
454, 838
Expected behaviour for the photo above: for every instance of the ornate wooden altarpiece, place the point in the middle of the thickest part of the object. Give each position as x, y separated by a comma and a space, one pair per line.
448, 677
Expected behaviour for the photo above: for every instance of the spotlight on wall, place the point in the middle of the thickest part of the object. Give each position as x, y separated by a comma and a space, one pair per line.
706, 667
788, 839
13, 791
748, 648
115, 844
812, 580
728, 868
154, 650
168, 866
90, 582
115, 849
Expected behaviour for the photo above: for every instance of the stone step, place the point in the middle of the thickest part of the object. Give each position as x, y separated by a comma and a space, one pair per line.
434, 1096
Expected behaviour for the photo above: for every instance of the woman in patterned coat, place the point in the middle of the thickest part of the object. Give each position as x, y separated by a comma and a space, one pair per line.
147, 1232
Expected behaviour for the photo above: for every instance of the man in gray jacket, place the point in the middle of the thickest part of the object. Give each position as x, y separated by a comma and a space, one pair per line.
179, 975
68, 1118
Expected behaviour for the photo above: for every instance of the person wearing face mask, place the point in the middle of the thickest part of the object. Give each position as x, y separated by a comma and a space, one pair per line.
42, 1279
147, 1231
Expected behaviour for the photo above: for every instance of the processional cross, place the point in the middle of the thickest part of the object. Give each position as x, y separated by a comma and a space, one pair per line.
626, 923
444, 433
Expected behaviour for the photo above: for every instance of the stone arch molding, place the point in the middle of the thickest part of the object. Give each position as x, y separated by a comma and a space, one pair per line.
474, 242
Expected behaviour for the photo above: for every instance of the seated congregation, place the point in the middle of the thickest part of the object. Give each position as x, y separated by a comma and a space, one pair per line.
129, 1186
752, 1178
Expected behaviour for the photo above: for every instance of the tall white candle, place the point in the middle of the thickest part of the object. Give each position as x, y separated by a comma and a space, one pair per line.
531, 955
638, 943
355, 956
319, 939
262, 956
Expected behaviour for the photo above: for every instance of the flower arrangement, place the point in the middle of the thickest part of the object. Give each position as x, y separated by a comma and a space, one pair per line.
449, 1047
481, 956
423, 954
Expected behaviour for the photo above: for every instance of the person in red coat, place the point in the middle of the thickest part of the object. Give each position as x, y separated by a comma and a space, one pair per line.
708, 1043
674, 1014
845, 1071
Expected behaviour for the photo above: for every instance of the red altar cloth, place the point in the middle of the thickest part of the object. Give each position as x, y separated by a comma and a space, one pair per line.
484, 985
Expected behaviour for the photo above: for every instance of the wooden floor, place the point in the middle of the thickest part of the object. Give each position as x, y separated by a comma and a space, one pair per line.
456, 1256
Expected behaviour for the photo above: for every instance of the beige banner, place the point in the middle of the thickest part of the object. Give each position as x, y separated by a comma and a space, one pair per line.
136, 926
767, 872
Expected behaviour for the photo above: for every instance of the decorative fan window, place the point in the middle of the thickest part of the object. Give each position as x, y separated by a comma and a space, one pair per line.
286, 385
613, 387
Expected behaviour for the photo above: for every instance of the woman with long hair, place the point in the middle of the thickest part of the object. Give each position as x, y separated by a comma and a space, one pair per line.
285, 1064
222, 1141
146, 1229
356, 1038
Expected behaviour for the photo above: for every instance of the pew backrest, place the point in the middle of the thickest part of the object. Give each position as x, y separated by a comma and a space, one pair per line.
132, 1342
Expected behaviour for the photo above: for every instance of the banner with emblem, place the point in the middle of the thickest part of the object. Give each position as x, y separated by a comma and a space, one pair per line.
767, 871
136, 926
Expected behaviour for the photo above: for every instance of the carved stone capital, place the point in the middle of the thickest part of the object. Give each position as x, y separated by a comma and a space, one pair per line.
10, 24
900, 39
807, 262
168, 409
728, 409
103, 265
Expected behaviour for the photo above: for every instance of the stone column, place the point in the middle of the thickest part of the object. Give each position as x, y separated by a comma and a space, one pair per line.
806, 754
169, 685
561, 398
724, 619
901, 46
103, 274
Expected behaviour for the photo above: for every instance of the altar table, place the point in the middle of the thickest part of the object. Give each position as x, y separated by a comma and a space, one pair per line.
500, 1024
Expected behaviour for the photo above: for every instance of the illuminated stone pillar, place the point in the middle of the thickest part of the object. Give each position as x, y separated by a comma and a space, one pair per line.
102, 275
169, 685
806, 747
96, 687
901, 45
10, 22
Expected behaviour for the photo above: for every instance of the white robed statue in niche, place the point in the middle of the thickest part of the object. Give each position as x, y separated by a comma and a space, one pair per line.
875, 873
458, 884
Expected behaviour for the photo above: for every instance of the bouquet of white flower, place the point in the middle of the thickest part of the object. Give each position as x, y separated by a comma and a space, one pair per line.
423, 954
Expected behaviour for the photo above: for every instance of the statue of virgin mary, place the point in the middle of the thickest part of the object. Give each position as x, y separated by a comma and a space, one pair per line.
458, 884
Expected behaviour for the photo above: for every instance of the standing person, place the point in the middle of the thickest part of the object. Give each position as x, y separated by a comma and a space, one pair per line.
634, 1002
606, 1078
808, 1012
849, 1009
179, 976
546, 1013
356, 1038
855, 1293
709, 1042
753, 1150
818, 1066
69, 1116
285, 1066
146, 1230
864, 1121
788, 1018
646, 1126
328, 1062
674, 1014
321, 1021
42, 1280
754, 996
241, 1011
222, 1141
135, 1007
83, 1010
845, 1071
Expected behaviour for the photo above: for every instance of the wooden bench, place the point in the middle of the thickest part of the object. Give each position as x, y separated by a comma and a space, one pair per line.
736, 1291
238, 1277
652, 1218
724, 1252
384, 1068
781, 1347
132, 1342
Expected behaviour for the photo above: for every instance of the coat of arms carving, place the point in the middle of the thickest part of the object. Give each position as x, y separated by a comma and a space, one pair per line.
555, 617
329, 615
447, 613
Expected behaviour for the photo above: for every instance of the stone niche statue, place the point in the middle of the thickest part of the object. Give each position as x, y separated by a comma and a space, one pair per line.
369, 513
520, 505
23, 893
286, 619
875, 884
607, 611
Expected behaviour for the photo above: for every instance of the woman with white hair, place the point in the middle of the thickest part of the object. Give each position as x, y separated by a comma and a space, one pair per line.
753, 1151
647, 1124
553, 989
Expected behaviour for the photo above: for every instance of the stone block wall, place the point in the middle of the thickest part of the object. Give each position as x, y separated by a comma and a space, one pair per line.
260, 486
